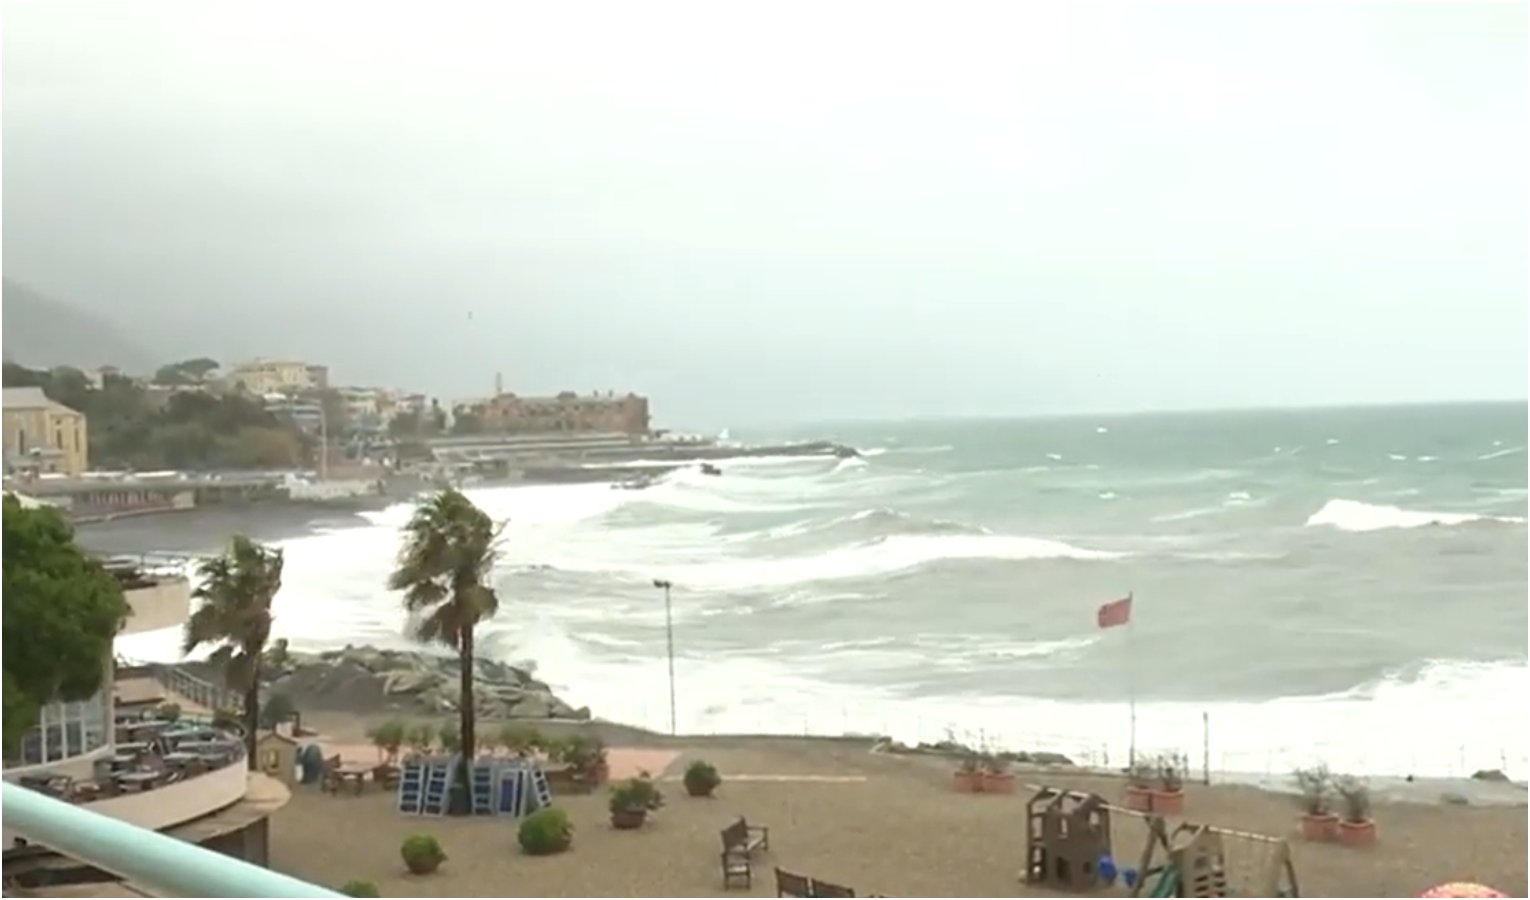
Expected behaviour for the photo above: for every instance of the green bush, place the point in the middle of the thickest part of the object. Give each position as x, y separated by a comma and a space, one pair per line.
584, 753
701, 778
420, 738
521, 739
389, 736
635, 795
450, 738
422, 854
355, 888
277, 709
168, 712
545, 832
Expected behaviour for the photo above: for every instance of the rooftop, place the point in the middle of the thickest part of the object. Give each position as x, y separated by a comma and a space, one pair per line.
32, 398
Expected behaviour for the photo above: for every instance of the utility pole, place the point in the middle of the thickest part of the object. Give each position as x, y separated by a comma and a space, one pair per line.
669, 637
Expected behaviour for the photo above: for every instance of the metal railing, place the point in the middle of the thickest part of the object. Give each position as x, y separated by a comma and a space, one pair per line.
200, 691
160, 864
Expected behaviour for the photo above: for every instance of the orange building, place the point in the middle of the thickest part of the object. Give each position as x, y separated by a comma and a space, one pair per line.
568, 412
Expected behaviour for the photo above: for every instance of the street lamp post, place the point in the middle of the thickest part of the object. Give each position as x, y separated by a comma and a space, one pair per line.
669, 637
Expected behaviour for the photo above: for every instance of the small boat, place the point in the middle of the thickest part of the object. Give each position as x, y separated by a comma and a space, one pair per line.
709, 469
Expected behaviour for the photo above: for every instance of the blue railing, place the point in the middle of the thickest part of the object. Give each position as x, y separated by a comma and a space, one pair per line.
159, 864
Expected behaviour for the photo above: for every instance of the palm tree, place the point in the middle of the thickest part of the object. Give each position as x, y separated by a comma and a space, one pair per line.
236, 591
447, 556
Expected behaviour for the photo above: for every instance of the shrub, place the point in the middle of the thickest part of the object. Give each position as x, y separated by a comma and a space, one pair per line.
545, 832
422, 854
521, 739
1357, 798
420, 738
701, 778
584, 753
1140, 774
168, 712
1316, 786
355, 888
450, 738
1171, 771
389, 737
995, 763
634, 795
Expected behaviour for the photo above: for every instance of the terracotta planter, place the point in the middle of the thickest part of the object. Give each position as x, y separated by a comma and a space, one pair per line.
628, 819
1357, 834
967, 782
1168, 803
1138, 799
1323, 828
998, 783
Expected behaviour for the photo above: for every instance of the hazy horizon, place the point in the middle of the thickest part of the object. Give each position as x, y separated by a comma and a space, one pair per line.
808, 214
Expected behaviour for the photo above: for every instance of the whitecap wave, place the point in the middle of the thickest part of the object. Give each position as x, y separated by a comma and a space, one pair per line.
1508, 451
1353, 515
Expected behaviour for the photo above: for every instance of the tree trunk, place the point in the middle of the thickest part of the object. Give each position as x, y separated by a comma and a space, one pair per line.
252, 710
469, 719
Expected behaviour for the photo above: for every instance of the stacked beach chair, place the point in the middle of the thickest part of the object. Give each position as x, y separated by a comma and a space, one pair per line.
497, 787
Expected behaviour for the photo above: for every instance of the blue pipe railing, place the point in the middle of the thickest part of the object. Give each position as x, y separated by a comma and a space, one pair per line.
160, 864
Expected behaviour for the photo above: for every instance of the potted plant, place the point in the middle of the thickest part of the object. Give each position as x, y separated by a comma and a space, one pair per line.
631, 801
701, 779
996, 776
1356, 828
419, 739
1139, 787
1169, 795
545, 832
422, 854
968, 778
1319, 823
586, 756
355, 888
168, 712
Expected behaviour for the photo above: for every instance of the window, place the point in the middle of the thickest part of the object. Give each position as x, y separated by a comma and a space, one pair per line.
66, 730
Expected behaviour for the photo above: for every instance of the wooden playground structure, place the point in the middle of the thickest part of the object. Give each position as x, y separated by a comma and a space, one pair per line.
1068, 848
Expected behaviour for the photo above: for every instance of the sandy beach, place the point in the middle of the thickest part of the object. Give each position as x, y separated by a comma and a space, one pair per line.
881, 824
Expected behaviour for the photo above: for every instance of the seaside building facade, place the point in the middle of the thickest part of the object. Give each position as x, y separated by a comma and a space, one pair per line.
566, 413
108, 754
43, 436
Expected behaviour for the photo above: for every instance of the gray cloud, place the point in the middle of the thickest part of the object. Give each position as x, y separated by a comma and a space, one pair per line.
813, 213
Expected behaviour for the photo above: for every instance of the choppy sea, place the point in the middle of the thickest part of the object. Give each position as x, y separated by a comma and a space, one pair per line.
1346, 586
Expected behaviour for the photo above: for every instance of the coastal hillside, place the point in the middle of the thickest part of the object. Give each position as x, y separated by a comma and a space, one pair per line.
43, 331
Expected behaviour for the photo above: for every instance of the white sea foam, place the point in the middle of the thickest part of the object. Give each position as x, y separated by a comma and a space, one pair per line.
1353, 515
1508, 451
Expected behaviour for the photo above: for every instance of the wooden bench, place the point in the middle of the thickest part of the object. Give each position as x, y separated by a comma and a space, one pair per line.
739, 842
789, 884
745, 838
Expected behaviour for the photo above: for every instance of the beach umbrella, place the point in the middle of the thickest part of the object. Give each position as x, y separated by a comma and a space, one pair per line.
1462, 889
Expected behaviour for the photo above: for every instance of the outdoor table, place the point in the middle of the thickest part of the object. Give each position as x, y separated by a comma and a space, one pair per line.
353, 774
181, 756
141, 780
132, 747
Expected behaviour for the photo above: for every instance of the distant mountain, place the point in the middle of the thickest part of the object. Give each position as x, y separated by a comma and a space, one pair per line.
40, 331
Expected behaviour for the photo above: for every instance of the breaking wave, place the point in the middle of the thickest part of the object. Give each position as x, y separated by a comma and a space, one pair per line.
1353, 515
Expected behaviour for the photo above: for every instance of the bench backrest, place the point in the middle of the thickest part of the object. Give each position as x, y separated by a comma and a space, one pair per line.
735, 835
790, 885
828, 889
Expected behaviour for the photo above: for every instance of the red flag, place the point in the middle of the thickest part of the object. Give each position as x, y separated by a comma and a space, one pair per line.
1116, 612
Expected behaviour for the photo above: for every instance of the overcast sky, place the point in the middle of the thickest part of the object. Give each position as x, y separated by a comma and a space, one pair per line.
803, 210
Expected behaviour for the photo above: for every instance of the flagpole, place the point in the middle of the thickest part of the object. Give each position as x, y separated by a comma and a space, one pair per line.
1131, 687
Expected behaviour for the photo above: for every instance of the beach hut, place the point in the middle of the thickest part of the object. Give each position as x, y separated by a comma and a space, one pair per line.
276, 755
